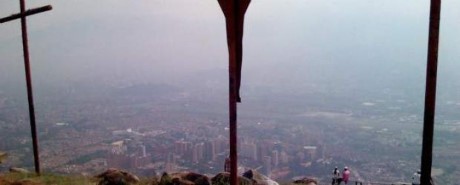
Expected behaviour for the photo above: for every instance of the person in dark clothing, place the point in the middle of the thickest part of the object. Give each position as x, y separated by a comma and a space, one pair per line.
336, 177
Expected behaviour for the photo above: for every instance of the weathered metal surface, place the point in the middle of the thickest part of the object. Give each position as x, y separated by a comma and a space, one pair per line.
26, 13
234, 11
25, 47
33, 128
430, 92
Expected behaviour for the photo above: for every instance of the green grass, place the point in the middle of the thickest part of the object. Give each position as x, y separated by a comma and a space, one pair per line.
52, 179
46, 179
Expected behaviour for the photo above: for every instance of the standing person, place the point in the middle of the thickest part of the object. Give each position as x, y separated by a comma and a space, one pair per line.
336, 176
416, 178
227, 165
345, 175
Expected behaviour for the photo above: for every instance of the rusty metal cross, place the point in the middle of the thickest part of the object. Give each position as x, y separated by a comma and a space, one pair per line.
25, 46
234, 11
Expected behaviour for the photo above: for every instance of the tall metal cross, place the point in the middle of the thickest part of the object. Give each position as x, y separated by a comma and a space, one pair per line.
25, 47
234, 11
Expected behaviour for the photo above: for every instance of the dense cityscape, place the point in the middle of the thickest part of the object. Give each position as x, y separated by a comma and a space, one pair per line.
126, 128
141, 86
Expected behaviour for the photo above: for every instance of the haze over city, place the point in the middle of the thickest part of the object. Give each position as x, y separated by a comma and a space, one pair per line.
345, 77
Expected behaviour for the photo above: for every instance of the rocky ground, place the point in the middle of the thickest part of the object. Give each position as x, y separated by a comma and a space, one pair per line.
120, 177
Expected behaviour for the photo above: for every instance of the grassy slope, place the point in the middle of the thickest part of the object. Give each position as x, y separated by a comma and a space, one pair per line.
45, 179
53, 179
49, 179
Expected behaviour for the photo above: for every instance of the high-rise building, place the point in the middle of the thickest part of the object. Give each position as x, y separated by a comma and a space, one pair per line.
267, 160
310, 152
260, 152
170, 164
221, 144
209, 151
142, 151
249, 150
119, 147
197, 154
263, 149
182, 147
116, 157
284, 157
275, 158
177, 147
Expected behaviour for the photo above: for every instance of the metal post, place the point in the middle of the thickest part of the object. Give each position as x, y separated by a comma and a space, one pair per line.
233, 129
430, 92
234, 11
233, 98
25, 47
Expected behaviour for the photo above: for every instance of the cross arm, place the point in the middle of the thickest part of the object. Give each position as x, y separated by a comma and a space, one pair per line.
26, 13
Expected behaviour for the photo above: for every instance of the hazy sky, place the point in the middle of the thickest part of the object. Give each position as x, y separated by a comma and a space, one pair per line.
285, 41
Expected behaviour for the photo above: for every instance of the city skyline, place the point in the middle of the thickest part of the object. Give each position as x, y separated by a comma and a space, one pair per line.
349, 87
